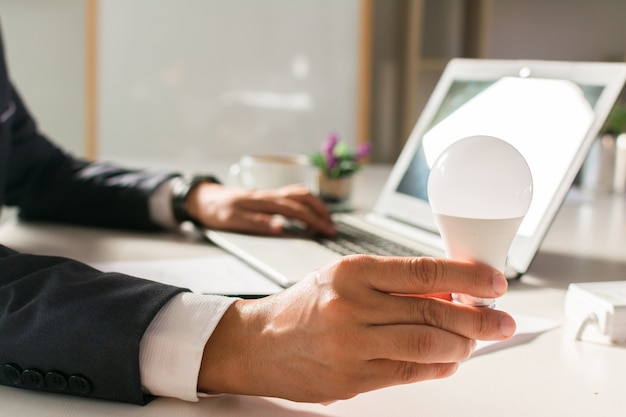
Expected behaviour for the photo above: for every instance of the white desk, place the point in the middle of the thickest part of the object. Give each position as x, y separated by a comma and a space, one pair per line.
551, 375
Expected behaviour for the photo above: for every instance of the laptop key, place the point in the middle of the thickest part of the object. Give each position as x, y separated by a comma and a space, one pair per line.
350, 240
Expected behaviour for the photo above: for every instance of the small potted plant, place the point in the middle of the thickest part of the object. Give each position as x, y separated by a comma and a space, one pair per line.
337, 163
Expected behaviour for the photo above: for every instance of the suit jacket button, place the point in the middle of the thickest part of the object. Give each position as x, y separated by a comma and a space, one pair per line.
56, 381
13, 374
32, 378
79, 385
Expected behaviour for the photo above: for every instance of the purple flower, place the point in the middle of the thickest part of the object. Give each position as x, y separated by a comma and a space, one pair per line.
329, 145
328, 150
336, 159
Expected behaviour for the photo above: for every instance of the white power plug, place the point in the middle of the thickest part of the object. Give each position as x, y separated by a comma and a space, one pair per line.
597, 310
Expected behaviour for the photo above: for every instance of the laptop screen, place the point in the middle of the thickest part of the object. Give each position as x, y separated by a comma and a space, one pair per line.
549, 111
547, 117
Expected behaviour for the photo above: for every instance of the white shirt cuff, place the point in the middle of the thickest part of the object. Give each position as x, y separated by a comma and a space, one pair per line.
160, 205
170, 351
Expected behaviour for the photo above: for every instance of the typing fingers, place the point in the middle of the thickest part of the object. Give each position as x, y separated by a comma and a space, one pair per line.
304, 196
293, 203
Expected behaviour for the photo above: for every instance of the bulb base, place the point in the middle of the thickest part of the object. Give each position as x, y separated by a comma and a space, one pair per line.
474, 301
477, 240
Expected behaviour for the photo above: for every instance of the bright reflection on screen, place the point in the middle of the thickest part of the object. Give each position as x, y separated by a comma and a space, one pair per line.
545, 119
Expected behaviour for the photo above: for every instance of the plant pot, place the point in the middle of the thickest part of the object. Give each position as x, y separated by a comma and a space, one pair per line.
335, 192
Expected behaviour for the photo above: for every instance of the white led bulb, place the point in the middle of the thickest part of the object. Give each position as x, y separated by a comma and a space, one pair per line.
479, 189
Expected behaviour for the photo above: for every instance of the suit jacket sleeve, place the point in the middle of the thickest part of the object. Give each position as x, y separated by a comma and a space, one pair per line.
48, 184
65, 327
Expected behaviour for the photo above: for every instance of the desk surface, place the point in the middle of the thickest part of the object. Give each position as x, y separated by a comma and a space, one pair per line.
551, 375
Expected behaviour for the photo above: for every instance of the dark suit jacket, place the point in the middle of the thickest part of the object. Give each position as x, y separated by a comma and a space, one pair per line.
64, 326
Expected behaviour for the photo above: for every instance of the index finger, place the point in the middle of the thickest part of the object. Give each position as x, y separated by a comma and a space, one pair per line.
296, 206
428, 275
304, 196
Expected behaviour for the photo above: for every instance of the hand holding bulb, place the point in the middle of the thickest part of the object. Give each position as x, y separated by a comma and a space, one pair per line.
479, 189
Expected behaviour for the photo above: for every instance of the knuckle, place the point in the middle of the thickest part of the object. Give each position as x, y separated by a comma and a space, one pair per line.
409, 372
481, 324
225, 215
425, 343
446, 370
293, 190
341, 292
467, 349
428, 272
352, 276
430, 312
349, 265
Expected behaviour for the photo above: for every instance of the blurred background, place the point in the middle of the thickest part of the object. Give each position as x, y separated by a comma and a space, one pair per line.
175, 83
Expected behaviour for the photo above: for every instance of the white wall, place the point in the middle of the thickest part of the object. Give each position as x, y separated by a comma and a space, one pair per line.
195, 81
45, 46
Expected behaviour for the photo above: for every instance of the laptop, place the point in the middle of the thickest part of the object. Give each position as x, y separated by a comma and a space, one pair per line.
550, 111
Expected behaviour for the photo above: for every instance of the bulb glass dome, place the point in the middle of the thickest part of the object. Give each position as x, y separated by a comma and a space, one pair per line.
480, 177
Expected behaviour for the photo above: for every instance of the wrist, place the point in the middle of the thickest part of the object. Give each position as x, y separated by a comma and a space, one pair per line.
181, 191
224, 367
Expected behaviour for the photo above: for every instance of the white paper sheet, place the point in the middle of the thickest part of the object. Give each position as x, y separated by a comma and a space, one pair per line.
222, 274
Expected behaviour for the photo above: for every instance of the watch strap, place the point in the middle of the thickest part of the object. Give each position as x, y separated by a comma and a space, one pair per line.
180, 192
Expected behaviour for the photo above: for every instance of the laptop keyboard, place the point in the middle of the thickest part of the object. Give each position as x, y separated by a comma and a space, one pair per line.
351, 240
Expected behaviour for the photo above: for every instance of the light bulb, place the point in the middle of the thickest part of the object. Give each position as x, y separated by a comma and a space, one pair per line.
479, 189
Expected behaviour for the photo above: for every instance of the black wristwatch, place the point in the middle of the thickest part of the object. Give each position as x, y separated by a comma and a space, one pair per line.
180, 192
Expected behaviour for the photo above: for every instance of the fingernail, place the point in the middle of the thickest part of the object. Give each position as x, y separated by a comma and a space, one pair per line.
499, 283
507, 326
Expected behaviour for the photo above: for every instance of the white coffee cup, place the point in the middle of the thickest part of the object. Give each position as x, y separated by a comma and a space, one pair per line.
266, 171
